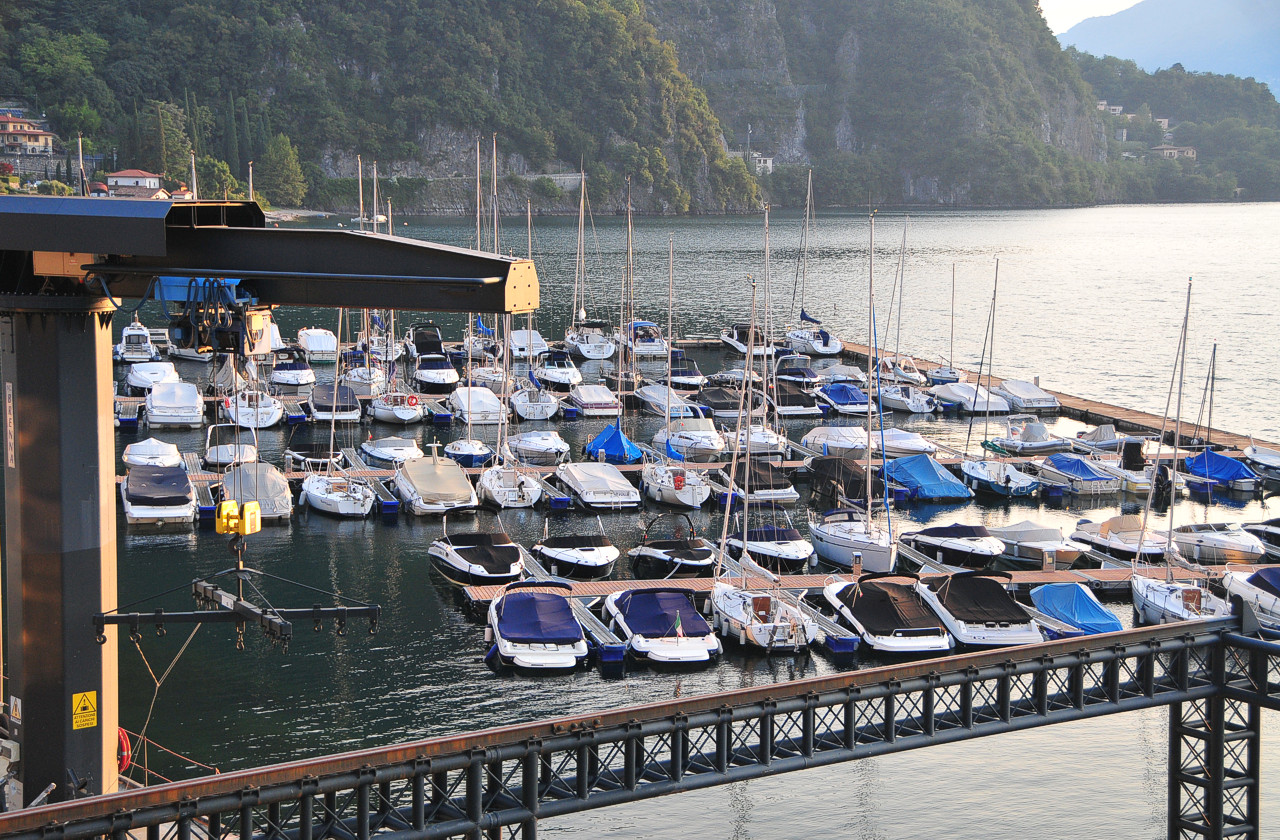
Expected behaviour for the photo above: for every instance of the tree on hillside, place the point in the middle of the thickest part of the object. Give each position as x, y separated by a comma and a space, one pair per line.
215, 179
165, 146
278, 173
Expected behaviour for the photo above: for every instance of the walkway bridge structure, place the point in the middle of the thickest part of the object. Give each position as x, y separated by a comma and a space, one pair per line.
1215, 679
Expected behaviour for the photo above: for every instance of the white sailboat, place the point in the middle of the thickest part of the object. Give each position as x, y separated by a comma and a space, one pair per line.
808, 336
587, 339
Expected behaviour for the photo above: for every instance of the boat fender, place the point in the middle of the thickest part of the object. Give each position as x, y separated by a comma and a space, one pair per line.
124, 751
678, 481
488, 634
742, 635
412, 400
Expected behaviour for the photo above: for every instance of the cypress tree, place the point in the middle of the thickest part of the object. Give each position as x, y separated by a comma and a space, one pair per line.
246, 142
231, 137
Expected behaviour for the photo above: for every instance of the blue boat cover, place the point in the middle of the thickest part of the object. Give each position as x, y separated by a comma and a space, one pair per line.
1076, 605
843, 393
531, 618
327, 397
926, 478
1076, 467
1220, 468
617, 447
482, 329
158, 486
653, 612
805, 316
1268, 579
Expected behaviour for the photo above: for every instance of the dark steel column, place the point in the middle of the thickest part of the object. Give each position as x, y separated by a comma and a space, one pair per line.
56, 423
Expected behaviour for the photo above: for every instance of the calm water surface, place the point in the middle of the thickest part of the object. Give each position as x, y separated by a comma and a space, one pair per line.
1090, 301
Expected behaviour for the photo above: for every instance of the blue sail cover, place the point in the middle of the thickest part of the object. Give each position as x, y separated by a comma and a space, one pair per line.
652, 613
805, 316
925, 478
1268, 580
617, 447
842, 393
1077, 467
482, 330
532, 618
1076, 605
1220, 468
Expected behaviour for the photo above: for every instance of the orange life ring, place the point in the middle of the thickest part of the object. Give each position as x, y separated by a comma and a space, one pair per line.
412, 400
124, 753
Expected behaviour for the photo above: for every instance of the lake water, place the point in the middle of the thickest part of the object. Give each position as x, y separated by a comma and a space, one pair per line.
1090, 301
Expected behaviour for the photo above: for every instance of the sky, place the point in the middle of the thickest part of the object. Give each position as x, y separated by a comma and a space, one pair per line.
1064, 14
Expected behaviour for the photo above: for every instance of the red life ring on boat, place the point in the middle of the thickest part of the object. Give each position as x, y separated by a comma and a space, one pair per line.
412, 400
226, 402
124, 753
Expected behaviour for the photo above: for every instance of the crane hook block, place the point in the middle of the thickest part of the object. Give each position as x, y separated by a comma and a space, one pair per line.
233, 519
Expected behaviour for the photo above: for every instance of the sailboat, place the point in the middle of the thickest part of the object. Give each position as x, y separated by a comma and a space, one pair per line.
533, 401
468, 451
589, 339
947, 374
396, 404
809, 339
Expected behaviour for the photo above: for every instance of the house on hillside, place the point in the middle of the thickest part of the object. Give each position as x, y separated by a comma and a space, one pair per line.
182, 194
21, 136
135, 183
1175, 152
97, 189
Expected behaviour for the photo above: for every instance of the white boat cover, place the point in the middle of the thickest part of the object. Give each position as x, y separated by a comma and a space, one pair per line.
842, 373
601, 478
261, 483
901, 440
835, 439
175, 395
152, 451
594, 394
1026, 531
437, 479
318, 340
1026, 391
475, 399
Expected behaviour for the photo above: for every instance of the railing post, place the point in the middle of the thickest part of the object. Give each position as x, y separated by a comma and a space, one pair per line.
475, 792
248, 798
213, 826
362, 802
766, 732
890, 721
632, 756
931, 705
530, 791
724, 739
809, 724
418, 795
583, 784
1076, 680
679, 746
966, 697
492, 789
1111, 674
273, 821
1147, 669
1040, 685
850, 719
1004, 692
306, 810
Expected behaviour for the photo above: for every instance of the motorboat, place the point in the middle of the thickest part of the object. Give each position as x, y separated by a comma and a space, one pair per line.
313, 456
598, 485
1222, 472
1031, 545
844, 373
337, 494
320, 345
998, 478
543, 448
1262, 460
739, 336
1122, 538
534, 629
423, 338
577, 556
367, 380
530, 402
725, 403
761, 481
258, 482
397, 407
433, 373
1075, 605
1100, 439
555, 370
662, 626
944, 375
491, 376
252, 409
433, 485
154, 495
226, 444
1160, 601
391, 450
978, 611
135, 344
289, 366
224, 378
762, 441
684, 377
1025, 434
613, 446
1132, 470
1269, 532
899, 370
733, 377
644, 338
925, 479
773, 542
682, 554
527, 344
814, 340
664, 402
1216, 543
477, 406
888, 612
477, 559
842, 479
958, 547
381, 346
591, 340
187, 354
143, 376
1025, 396
899, 443
671, 483
1260, 590
595, 401
1081, 476
504, 485
907, 398
760, 618
845, 537
846, 398
691, 439
797, 368
152, 453
836, 440
334, 403
971, 398
175, 404
790, 400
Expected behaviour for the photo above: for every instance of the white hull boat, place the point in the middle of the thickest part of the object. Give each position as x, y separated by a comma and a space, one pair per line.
900, 370
1025, 396
539, 449
334, 404
535, 630
556, 371
973, 399
665, 402
693, 439
253, 410
1216, 543
434, 374
814, 341
889, 614
737, 337
1260, 590
595, 401
1026, 435
644, 340
761, 440
1121, 538
662, 626
226, 444
760, 619
843, 373
998, 478
320, 345
504, 486
896, 443
478, 559
337, 494
1265, 462
599, 486
434, 486
577, 556
682, 555
591, 340
469, 452
135, 344
531, 403
907, 398
527, 344
143, 376
958, 547
674, 485
978, 611
290, 367
261, 483
152, 453
396, 407
477, 406
160, 496
845, 538
836, 440
1162, 602
1038, 546
364, 381
391, 450
175, 404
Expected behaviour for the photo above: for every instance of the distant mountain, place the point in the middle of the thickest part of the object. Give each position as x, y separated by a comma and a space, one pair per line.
1236, 37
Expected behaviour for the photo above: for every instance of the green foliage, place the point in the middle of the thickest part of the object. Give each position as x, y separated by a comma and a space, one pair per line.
215, 179
279, 175
53, 187
547, 188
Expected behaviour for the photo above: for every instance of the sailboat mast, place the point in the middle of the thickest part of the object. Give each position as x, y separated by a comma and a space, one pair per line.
671, 302
479, 200
902, 290
493, 193
991, 327
580, 268
629, 294
333, 410
873, 369
376, 203
360, 186
1177, 422
768, 313
804, 244
951, 353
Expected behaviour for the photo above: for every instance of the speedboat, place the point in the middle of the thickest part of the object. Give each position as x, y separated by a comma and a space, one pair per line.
226, 444
739, 335
671, 484
531, 402
683, 554
761, 481
846, 398
331, 403
152, 453
762, 440
598, 485
367, 380
887, 610
1035, 546
1026, 435
391, 450
1079, 475
313, 456
477, 559
760, 619
433, 373
773, 543
1260, 590
595, 401
175, 404
684, 375
971, 398
143, 376
541, 448
944, 375
337, 494
1262, 460
261, 483
844, 537
491, 376
734, 377
555, 369
253, 409
433, 485
1216, 543
535, 630
790, 400
320, 345
423, 338
797, 368
1075, 605
958, 547
1101, 439
925, 479
577, 556
591, 340
998, 478
899, 443
1025, 396
505, 486
725, 403
154, 495
978, 611
613, 446
907, 398
477, 406
644, 338
662, 625
844, 373
1118, 537
1269, 532
290, 367
135, 344
527, 344
665, 402
899, 370
836, 440
1223, 472
690, 439
396, 407
1159, 601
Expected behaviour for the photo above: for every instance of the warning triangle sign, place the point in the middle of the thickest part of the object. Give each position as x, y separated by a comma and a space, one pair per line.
83, 703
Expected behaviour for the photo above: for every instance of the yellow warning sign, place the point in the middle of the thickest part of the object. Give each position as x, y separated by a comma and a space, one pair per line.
84, 710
